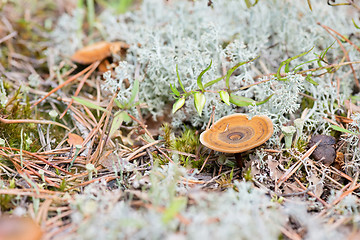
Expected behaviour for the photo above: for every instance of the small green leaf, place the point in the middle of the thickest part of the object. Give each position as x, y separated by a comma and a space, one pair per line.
340, 129
199, 80
298, 67
178, 76
121, 106
264, 101
231, 70
208, 84
134, 92
241, 101
249, 4
199, 101
225, 97
310, 80
89, 104
174, 90
119, 118
174, 208
323, 54
178, 104
355, 98
286, 62
355, 24
244, 101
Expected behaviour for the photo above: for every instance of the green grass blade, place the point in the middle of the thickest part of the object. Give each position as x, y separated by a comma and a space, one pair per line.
199, 80
340, 129
244, 101
355, 24
231, 70
89, 104
286, 62
134, 92
208, 84
174, 90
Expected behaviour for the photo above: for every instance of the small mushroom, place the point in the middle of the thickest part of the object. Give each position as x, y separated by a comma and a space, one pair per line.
97, 51
325, 152
236, 133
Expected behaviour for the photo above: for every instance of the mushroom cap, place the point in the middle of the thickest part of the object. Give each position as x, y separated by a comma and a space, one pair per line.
236, 133
92, 53
97, 51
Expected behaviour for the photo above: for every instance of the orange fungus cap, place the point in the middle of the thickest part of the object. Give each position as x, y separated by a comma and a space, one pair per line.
236, 133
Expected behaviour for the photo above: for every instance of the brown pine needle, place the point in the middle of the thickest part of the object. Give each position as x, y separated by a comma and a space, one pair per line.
81, 84
64, 84
11, 121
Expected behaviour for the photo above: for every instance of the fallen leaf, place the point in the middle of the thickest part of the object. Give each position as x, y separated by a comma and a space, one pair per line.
74, 139
317, 183
275, 172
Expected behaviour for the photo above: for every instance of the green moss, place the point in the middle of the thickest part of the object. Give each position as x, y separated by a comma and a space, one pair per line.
6, 199
17, 134
187, 142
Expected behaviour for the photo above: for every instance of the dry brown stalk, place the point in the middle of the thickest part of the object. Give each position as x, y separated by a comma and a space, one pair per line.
132, 155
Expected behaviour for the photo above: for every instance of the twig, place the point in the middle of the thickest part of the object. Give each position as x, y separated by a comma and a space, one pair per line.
7, 37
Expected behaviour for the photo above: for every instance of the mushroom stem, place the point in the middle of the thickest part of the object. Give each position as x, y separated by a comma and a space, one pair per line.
288, 132
299, 125
239, 160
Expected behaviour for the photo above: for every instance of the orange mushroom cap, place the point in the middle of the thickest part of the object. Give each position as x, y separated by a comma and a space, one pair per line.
97, 51
236, 133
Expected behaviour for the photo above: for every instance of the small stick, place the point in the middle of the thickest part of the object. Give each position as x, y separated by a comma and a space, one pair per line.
38, 157
202, 167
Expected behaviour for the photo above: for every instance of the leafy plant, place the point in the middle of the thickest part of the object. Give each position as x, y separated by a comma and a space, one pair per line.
226, 95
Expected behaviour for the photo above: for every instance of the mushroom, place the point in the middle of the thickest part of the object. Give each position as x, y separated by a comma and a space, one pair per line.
236, 133
97, 51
